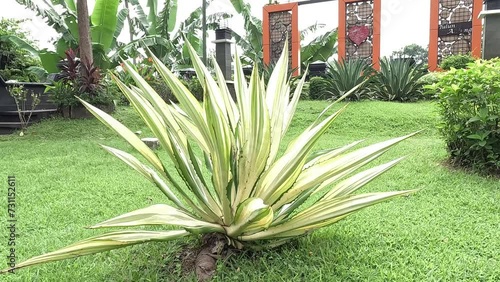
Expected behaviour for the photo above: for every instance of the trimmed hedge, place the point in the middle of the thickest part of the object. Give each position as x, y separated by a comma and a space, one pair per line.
469, 101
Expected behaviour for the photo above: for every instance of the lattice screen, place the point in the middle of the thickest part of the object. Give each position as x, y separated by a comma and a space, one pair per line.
280, 25
359, 29
452, 12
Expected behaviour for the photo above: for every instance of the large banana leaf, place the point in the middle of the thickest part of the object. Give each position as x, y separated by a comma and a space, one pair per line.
53, 18
153, 16
49, 61
120, 21
320, 48
19, 43
172, 14
141, 20
104, 21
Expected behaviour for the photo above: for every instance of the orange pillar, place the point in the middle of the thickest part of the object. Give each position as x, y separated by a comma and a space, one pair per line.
477, 29
433, 36
377, 17
342, 32
266, 40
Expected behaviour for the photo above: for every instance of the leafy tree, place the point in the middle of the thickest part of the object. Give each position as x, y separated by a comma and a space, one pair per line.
15, 62
414, 51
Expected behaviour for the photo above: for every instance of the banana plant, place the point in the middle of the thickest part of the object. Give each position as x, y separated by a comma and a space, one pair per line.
163, 37
106, 25
236, 185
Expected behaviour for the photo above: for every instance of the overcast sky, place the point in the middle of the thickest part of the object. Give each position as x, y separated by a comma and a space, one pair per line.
403, 21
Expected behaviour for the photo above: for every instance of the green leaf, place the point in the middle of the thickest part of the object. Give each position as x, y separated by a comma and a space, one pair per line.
49, 61
172, 17
161, 214
320, 48
104, 21
20, 43
103, 243
121, 18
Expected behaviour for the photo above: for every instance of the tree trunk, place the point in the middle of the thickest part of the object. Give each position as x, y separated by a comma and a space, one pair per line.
206, 260
84, 31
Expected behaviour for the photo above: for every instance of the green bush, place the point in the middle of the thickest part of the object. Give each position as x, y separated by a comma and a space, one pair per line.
398, 80
428, 80
456, 61
163, 91
195, 87
469, 101
15, 62
319, 88
343, 76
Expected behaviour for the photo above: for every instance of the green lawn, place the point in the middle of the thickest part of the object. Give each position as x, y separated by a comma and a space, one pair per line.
448, 231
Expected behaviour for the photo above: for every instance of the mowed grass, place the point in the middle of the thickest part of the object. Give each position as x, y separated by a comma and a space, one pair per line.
448, 231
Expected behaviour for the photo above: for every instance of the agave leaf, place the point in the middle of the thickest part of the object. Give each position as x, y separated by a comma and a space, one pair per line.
331, 208
221, 98
220, 156
292, 106
170, 139
188, 102
102, 243
357, 181
126, 133
220, 117
277, 100
253, 139
150, 116
240, 82
161, 214
251, 216
321, 156
153, 177
322, 214
324, 173
284, 172
173, 139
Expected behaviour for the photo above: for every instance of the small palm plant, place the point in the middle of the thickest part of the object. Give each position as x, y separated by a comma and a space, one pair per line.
236, 188
399, 80
342, 76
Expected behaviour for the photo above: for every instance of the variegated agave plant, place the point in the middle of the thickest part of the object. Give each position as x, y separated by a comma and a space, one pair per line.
234, 181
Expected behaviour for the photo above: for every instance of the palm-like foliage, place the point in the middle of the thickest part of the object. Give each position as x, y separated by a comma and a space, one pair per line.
157, 30
342, 76
254, 196
399, 80
106, 25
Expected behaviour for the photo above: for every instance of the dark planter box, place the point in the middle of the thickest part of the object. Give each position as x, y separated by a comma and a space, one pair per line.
7, 103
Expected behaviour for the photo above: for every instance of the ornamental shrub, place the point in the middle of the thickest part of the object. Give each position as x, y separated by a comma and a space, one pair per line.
457, 61
318, 88
469, 101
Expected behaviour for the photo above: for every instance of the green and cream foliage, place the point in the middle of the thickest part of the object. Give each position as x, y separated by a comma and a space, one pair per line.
235, 181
